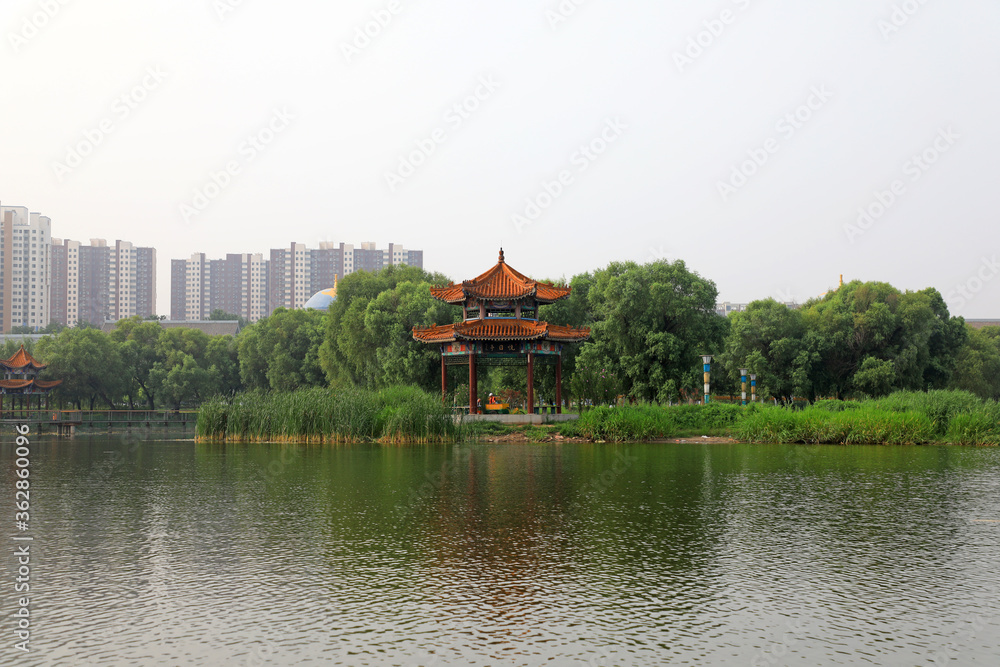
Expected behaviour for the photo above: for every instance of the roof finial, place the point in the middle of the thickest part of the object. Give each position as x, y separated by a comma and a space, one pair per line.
501, 255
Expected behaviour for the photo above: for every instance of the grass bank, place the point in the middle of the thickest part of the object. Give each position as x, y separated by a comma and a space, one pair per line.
905, 417
393, 415
942, 417
635, 423
865, 425
408, 415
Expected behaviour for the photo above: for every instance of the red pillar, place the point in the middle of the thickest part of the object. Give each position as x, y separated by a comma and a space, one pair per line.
558, 384
473, 388
531, 383
444, 382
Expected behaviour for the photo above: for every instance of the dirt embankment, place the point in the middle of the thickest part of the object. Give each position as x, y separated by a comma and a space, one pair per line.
533, 436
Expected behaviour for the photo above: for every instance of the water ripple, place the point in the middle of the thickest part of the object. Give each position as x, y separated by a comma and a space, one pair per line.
515, 556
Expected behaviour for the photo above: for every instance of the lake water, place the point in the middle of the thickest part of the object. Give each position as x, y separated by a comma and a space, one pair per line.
176, 553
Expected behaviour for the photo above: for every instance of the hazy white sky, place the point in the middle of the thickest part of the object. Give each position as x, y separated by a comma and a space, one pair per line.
586, 131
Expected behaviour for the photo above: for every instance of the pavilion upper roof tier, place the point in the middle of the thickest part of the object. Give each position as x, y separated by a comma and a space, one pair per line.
21, 362
499, 329
500, 283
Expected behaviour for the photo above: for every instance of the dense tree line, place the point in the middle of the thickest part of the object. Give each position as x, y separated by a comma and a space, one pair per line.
649, 324
864, 339
139, 365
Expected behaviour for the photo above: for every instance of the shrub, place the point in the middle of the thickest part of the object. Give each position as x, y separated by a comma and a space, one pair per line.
863, 425
939, 405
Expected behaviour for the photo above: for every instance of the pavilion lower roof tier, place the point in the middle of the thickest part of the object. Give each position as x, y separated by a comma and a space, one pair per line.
499, 329
28, 386
501, 283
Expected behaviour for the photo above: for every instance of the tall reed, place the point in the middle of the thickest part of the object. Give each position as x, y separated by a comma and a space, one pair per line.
396, 414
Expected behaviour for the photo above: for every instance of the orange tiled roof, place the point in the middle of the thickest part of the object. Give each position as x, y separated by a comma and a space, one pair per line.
22, 359
564, 333
46, 385
501, 283
21, 385
15, 384
499, 329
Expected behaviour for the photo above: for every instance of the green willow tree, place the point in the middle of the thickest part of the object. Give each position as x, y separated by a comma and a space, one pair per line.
89, 364
871, 339
281, 352
179, 374
652, 324
223, 364
769, 339
368, 339
978, 363
138, 344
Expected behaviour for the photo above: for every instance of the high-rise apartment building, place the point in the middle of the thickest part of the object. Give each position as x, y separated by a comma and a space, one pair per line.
327, 265
253, 287
369, 258
236, 285
145, 282
24, 268
290, 277
98, 283
397, 255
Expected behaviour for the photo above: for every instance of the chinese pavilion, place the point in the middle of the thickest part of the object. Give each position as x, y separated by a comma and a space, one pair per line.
500, 326
20, 378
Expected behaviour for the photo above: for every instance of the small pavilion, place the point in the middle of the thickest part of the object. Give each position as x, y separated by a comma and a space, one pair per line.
500, 327
20, 378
